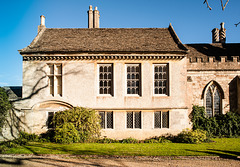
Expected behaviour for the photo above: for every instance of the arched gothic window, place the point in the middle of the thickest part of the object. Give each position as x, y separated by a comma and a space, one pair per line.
213, 99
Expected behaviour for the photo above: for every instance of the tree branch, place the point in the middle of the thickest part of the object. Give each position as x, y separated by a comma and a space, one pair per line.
207, 5
237, 24
223, 7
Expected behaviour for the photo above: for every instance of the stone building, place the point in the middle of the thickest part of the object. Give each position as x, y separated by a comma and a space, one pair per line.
143, 81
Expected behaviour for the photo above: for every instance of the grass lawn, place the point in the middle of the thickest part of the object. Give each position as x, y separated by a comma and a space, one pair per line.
224, 147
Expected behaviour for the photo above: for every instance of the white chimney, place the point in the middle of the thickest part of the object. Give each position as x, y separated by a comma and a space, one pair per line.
42, 23
90, 17
96, 18
42, 20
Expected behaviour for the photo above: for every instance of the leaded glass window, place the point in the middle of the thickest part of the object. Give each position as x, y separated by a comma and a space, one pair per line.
217, 102
213, 100
209, 103
161, 119
133, 79
160, 79
106, 119
105, 79
134, 120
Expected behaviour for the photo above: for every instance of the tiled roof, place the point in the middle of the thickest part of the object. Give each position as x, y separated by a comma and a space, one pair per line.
52, 40
214, 49
14, 92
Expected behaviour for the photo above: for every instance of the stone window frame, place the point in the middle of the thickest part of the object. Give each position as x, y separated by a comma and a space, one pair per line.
161, 124
104, 124
55, 79
134, 120
212, 87
112, 80
139, 80
167, 80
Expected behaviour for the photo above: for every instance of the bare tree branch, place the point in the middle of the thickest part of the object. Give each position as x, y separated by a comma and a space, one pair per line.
205, 1
237, 24
223, 7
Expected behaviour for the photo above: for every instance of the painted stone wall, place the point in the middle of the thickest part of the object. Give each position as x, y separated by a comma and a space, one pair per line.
80, 88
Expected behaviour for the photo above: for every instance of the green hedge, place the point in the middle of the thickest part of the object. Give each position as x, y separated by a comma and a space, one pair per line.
223, 125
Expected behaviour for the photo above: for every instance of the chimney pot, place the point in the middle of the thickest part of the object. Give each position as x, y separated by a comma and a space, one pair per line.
96, 18
222, 33
42, 23
215, 35
90, 17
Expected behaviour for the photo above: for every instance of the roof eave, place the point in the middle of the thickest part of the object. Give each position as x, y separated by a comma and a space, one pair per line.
102, 52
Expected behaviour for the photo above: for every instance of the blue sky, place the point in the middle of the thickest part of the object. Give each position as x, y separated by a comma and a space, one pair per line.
191, 20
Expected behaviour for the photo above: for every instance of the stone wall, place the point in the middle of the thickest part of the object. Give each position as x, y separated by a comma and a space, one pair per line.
223, 72
80, 88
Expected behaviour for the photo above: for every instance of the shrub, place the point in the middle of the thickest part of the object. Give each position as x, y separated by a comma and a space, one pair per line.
192, 136
80, 124
158, 139
5, 106
66, 133
130, 140
223, 125
27, 136
107, 140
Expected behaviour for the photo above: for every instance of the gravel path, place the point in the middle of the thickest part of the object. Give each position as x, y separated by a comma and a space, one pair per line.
106, 161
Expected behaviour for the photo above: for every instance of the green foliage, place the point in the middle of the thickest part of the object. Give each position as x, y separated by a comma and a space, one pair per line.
130, 140
107, 140
158, 139
66, 133
5, 106
192, 136
28, 137
227, 125
80, 124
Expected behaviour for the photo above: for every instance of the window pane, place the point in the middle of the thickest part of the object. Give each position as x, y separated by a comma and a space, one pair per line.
160, 79
102, 117
209, 103
137, 120
105, 78
110, 120
59, 69
59, 85
217, 103
129, 119
165, 119
51, 69
51, 85
133, 78
157, 119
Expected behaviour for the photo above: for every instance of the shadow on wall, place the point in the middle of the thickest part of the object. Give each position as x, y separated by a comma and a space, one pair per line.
16, 117
234, 95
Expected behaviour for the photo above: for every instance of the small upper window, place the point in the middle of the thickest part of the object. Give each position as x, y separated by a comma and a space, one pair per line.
55, 79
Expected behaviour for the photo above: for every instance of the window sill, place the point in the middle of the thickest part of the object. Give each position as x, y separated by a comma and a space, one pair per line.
132, 95
160, 95
104, 95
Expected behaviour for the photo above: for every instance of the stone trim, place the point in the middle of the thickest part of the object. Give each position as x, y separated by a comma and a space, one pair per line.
99, 57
